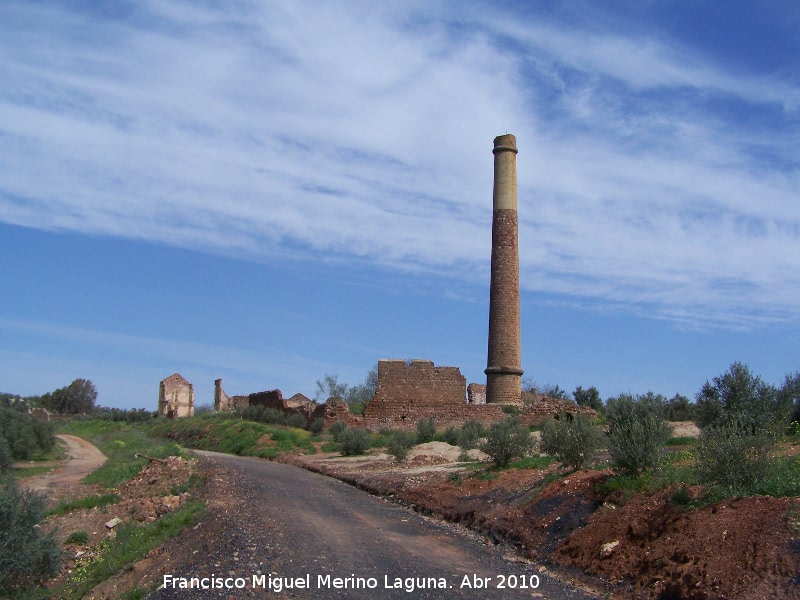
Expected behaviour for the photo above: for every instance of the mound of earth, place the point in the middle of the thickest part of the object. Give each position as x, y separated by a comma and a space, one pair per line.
739, 548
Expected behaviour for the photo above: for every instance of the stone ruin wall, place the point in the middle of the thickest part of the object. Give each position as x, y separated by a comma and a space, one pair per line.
175, 397
296, 405
223, 402
406, 393
404, 389
476, 393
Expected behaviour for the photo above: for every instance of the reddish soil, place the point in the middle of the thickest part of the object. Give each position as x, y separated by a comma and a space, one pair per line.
142, 499
742, 548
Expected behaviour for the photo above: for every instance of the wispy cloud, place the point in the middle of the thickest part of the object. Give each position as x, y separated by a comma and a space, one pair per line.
650, 177
247, 369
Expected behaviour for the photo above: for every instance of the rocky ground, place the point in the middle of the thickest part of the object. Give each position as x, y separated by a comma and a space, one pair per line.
149, 495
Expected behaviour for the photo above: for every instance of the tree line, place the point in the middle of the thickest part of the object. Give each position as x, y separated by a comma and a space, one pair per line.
737, 390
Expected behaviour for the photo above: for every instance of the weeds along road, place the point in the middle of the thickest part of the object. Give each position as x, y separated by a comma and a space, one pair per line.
271, 524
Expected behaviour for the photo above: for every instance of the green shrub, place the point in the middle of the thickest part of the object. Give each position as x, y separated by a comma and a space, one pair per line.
26, 435
471, 433
355, 441
589, 397
336, 430
506, 440
426, 429
572, 441
740, 398
399, 444
27, 556
134, 415
451, 436
317, 425
734, 457
6, 460
678, 408
18, 430
782, 478
296, 420
260, 414
79, 538
637, 432
379, 440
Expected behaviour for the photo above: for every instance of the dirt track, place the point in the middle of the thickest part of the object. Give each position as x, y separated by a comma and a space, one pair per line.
82, 459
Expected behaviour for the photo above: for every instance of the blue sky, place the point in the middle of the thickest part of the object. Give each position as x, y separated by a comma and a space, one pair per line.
267, 192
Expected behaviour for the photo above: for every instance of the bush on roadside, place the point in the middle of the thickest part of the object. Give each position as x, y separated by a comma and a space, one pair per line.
317, 425
573, 441
27, 557
506, 440
336, 430
400, 443
734, 457
355, 441
25, 434
426, 429
637, 432
471, 433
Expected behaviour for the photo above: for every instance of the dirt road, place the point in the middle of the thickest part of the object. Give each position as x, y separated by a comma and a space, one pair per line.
82, 459
279, 525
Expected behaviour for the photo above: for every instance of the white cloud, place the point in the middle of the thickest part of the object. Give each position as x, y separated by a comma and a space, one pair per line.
246, 369
364, 131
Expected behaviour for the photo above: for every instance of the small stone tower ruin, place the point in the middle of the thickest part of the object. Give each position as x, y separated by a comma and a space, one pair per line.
504, 371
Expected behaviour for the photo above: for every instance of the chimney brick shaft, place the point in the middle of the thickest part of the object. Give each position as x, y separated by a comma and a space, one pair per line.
503, 372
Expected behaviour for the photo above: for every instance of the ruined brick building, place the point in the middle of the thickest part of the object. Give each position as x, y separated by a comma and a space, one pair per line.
175, 397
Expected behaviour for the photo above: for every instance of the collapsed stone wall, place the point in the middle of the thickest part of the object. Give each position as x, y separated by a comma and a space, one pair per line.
268, 399
406, 393
452, 415
296, 405
223, 402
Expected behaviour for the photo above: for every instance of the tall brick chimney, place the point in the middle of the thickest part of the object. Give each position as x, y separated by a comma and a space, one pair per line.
503, 371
